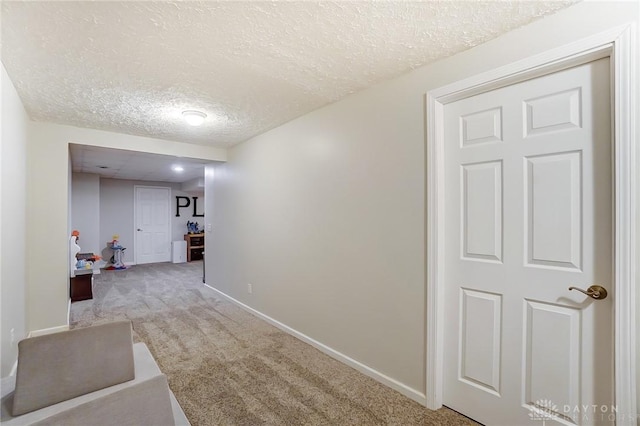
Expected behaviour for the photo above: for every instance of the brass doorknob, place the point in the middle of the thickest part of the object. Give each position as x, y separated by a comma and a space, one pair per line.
595, 291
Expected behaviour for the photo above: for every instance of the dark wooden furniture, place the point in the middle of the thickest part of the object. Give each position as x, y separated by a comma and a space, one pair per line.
195, 246
80, 288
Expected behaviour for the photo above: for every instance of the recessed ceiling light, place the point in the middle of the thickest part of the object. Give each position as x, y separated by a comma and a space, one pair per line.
194, 118
177, 169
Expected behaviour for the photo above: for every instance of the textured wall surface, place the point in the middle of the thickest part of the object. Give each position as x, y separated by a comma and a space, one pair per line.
133, 67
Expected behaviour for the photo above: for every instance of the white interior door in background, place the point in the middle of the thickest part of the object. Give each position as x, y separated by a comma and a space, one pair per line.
153, 224
528, 183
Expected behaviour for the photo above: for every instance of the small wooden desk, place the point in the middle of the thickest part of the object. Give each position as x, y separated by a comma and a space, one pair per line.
195, 246
81, 285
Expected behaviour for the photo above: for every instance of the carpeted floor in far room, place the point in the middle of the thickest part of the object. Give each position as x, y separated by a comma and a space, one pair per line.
228, 367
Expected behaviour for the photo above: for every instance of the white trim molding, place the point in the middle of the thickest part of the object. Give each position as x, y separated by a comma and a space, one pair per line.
619, 44
625, 131
42, 332
374, 374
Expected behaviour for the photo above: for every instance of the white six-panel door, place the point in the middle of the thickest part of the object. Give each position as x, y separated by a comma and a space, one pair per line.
529, 214
153, 225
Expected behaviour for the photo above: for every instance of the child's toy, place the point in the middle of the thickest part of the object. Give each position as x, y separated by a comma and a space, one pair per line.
193, 228
74, 249
116, 259
80, 260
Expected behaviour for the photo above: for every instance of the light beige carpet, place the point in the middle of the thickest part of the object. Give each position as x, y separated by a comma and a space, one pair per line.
227, 367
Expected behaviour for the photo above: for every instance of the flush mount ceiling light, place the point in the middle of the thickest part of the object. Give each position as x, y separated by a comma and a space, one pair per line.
194, 118
177, 169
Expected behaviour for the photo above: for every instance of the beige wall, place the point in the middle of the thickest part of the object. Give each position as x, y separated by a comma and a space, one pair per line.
324, 215
85, 210
13, 189
47, 294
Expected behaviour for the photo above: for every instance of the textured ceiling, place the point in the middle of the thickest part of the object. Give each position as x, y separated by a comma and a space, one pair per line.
132, 67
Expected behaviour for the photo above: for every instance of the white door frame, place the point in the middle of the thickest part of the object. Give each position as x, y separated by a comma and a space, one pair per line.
135, 219
619, 44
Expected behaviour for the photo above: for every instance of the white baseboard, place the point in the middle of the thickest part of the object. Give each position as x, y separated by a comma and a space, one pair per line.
405, 390
42, 332
14, 369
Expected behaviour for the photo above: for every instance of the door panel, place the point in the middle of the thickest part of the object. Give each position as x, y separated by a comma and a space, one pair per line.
153, 231
528, 214
554, 235
482, 127
553, 112
482, 211
481, 335
552, 371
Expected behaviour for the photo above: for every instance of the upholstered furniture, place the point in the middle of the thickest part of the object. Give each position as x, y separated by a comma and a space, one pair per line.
88, 376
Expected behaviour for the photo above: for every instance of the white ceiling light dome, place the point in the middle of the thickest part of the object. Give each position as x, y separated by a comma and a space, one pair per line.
193, 117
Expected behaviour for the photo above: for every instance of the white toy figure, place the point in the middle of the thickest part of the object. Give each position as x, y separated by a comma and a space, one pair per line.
74, 249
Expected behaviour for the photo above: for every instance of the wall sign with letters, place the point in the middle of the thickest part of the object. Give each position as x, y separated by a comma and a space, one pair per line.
186, 202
